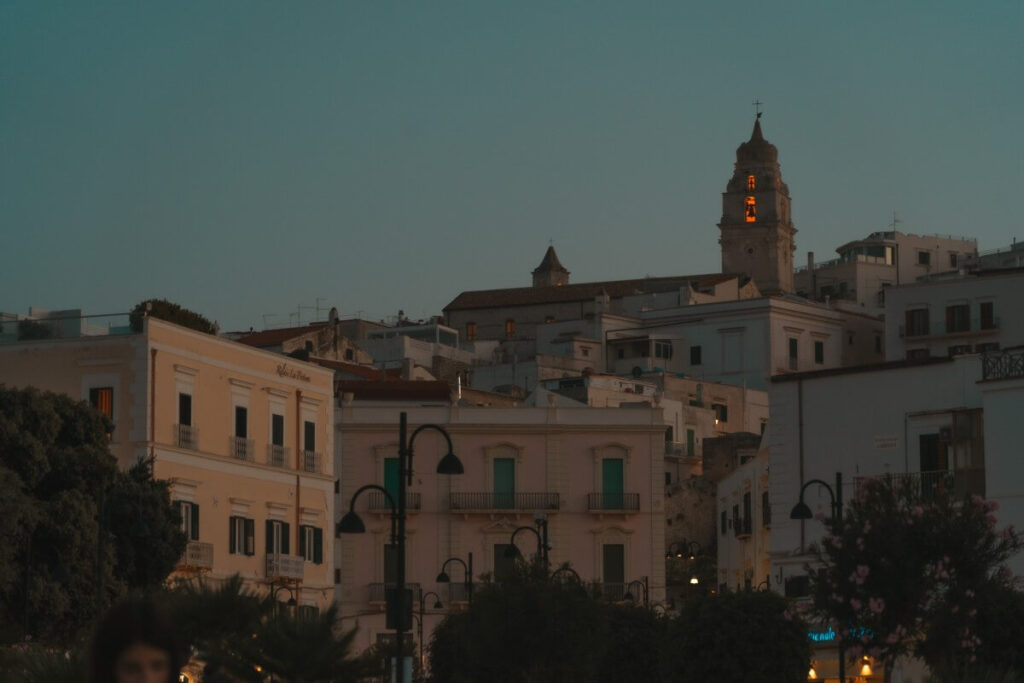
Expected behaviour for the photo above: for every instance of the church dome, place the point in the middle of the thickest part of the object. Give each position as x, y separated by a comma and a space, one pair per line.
757, 148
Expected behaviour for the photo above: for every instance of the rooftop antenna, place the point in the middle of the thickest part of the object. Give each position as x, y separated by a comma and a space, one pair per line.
318, 309
757, 106
895, 221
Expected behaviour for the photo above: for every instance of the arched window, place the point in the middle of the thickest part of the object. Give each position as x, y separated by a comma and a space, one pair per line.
510, 328
751, 182
751, 206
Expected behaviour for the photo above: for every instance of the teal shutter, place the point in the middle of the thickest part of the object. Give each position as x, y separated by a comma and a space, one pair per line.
250, 537
195, 521
270, 537
504, 483
391, 477
302, 539
318, 546
232, 536
285, 549
611, 483
690, 443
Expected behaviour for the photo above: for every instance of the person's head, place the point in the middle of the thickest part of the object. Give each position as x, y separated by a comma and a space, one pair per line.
135, 643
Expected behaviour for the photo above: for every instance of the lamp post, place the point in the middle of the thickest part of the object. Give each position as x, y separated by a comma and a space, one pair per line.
642, 583
681, 549
437, 605
399, 605
802, 512
541, 532
467, 568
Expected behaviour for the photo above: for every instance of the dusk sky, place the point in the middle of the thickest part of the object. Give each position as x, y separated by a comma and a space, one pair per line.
243, 158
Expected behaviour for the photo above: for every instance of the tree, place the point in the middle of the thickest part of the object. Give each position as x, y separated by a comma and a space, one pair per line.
171, 312
57, 475
775, 646
903, 557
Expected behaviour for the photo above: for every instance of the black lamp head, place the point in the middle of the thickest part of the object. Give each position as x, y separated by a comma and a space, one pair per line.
450, 465
291, 602
801, 511
443, 577
627, 596
438, 605
351, 523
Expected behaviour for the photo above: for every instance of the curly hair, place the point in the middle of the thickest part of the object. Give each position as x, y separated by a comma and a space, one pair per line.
133, 621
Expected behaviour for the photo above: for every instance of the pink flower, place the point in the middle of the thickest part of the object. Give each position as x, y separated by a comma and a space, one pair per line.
972, 612
956, 608
837, 543
876, 605
917, 511
856, 604
1005, 573
788, 615
867, 527
993, 505
863, 570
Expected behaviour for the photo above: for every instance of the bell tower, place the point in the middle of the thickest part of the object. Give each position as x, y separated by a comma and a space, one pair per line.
757, 233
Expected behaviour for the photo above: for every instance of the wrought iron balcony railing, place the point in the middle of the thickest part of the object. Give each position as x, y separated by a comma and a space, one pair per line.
277, 456
463, 502
1004, 364
379, 503
598, 502
186, 436
241, 448
285, 566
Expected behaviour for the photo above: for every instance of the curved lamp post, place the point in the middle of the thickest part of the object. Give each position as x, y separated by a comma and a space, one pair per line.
437, 605
643, 584
399, 606
681, 549
541, 532
467, 568
802, 511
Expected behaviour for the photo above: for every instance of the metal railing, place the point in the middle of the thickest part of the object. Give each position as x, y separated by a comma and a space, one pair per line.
939, 328
959, 483
277, 456
613, 501
378, 591
504, 501
457, 592
311, 461
284, 566
612, 591
241, 448
197, 555
186, 436
1003, 364
378, 501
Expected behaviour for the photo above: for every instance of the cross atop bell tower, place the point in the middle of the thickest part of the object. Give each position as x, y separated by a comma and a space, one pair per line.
757, 233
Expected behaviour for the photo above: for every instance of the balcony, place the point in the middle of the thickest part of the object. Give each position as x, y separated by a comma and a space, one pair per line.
488, 502
958, 483
613, 502
943, 328
311, 462
284, 566
379, 502
186, 436
741, 527
241, 448
197, 556
1003, 364
277, 456
378, 591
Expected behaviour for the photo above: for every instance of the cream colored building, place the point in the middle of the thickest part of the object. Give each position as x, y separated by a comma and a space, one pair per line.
244, 437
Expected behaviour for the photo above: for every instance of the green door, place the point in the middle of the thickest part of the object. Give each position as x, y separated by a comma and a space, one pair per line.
611, 484
504, 483
391, 477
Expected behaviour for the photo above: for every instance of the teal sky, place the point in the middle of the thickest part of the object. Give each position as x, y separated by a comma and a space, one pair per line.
242, 158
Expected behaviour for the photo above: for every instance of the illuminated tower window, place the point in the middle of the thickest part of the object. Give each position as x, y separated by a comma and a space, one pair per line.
751, 204
751, 182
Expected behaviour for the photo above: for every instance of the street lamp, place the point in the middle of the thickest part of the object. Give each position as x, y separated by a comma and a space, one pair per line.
437, 605
643, 584
681, 549
399, 606
541, 532
802, 512
467, 568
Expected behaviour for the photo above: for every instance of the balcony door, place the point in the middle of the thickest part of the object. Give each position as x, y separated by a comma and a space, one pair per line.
614, 569
933, 463
612, 485
504, 483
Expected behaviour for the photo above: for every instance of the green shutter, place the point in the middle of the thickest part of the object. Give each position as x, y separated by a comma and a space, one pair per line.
195, 521
270, 537
302, 540
690, 443
504, 483
318, 546
285, 549
232, 536
391, 477
250, 537
611, 483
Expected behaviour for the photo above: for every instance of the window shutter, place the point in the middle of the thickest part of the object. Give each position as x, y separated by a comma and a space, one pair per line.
318, 546
302, 540
232, 535
270, 537
285, 550
195, 521
249, 528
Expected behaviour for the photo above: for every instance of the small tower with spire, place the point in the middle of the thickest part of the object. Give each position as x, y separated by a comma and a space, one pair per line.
757, 233
550, 272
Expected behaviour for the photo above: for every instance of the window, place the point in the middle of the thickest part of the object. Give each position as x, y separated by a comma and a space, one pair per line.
690, 448
504, 483
311, 544
663, 349
917, 322
668, 479
241, 536
241, 422
751, 183
918, 354
924, 258
309, 435
585, 351
725, 522
349, 354
958, 318
736, 519
185, 409
549, 319
614, 563
621, 353
990, 346
988, 321
695, 358
277, 429
953, 259
510, 329
308, 613
470, 331
189, 519
721, 412
878, 343
612, 483
766, 510
959, 349
751, 209
819, 352
277, 537
102, 399
746, 513
793, 356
